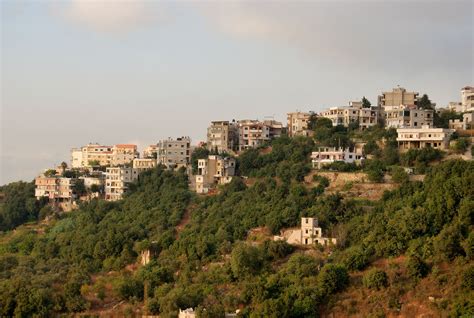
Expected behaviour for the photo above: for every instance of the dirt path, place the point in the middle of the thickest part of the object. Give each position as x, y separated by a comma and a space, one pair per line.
184, 220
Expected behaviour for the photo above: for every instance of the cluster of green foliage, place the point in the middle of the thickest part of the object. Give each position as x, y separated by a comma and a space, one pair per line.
18, 205
376, 279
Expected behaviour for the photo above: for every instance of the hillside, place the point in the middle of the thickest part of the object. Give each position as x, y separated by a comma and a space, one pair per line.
407, 251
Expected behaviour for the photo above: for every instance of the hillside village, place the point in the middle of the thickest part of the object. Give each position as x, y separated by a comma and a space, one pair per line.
102, 171
358, 210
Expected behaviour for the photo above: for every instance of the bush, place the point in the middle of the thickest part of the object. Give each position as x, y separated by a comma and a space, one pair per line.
356, 259
332, 278
468, 278
375, 279
416, 267
323, 181
399, 175
461, 145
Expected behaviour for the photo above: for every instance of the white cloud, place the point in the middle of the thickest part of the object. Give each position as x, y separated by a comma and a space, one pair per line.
112, 16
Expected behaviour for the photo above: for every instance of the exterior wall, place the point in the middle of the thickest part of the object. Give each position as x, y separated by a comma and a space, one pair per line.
223, 136
346, 115
404, 116
175, 152
455, 107
214, 170
57, 189
76, 158
308, 234
467, 98
297, 123
143, 164
398, 96
328, 155
105, 155
424, 137
117, 180
187, 313
150, 152
123, 154
465, 123
275, 128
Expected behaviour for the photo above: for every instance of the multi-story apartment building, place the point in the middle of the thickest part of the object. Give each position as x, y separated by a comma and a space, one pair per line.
467, 99
143, 164
214, 170
466, 122
175, 153
328, 155
123, 154
345, 115
398, 96
223, 136
55, 188
423, 137
117, 180
407, 116
254, 133
297, 123
100, 155
151, 152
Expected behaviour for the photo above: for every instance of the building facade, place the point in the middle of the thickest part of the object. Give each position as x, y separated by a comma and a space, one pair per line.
214, 170
328, 155
117, 180
297, 123
308, 234
254, 133
223, 136
56, 189
175, 153
143, 164
423, 137
150, 152
345, 115
398, 96
99, 155
467, 99
407, 116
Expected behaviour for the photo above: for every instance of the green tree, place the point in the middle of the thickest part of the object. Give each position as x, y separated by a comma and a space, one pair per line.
424, 102
366, 103
375, 279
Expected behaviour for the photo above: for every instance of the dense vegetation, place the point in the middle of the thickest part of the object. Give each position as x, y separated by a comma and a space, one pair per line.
208, 258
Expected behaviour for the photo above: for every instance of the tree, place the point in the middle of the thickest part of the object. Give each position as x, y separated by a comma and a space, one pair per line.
366, 103
461, 145
425, 103
375, 279
50, 173
416, 267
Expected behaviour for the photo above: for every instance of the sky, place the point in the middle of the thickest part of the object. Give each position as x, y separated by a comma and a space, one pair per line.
137, 71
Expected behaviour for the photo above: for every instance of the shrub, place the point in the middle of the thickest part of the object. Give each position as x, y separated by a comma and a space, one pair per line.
375, 279
461, 145
468, 278
416, 267
399, 175
332, 278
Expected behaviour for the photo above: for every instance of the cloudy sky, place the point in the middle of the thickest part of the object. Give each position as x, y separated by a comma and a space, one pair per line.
106, 71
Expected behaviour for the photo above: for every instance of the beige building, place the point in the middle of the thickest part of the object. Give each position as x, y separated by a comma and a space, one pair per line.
254, 133
143, 164
297, 123
407, 116
100, 155
345, 115
187, 313
150, 152
308, 234
466, 122
214, 170
423, 137
57, 189
175, 153
328, 155
117, 180
223, 136
398, 96
467, 99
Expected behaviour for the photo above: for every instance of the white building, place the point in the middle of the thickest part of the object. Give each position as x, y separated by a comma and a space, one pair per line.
465, 123
297, 123
345, 115
308, 234
467, 99
55, 188
423, 137
175, 153
407, 116
212, 171
328, 155
100, 155
187, 313
117, 180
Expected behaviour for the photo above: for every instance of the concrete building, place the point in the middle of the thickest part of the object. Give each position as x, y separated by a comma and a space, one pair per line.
187, 313
308, 234
345, 115
143, 164
423, 137
223, 136
398, 96
100, 155
55, 188
117, 180
328, 155
466, 122
174, 153
467, 99
214, 170
297, 123
407, 116
150, 152
455, 107
254, 133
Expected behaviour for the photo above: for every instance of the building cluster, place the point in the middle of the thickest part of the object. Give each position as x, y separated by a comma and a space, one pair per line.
107, 171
